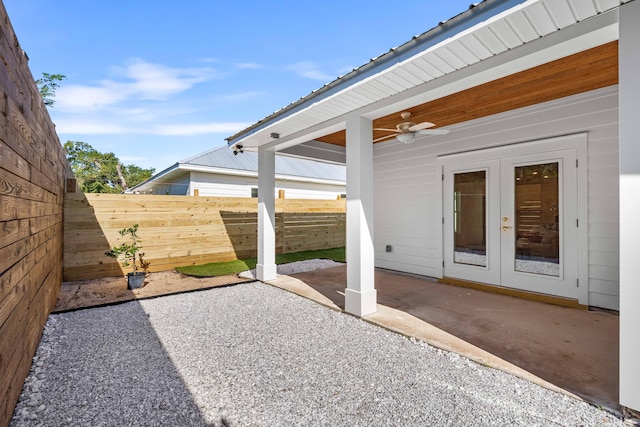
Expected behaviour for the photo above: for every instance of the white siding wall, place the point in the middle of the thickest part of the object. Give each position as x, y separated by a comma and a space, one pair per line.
222, 185
407, 184
219, 185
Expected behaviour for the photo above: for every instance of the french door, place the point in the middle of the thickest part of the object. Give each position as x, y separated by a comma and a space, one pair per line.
510, 219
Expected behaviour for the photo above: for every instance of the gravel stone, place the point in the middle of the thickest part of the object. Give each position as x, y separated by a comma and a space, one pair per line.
255, 355
296, 267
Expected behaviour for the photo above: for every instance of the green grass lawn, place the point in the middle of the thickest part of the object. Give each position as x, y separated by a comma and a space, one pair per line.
234, 267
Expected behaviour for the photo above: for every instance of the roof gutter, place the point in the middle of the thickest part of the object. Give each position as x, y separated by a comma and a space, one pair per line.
465, 20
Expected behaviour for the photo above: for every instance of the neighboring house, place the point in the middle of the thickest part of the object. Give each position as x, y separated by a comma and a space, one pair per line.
534, 188
220, 173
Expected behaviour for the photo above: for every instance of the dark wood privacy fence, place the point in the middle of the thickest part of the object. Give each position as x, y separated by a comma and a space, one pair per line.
33, 176
181, 230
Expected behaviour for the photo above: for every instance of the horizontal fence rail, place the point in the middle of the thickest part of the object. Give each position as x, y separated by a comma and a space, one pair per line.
181, 230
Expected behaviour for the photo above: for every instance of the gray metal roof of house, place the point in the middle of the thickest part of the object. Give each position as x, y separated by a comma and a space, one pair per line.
223, 157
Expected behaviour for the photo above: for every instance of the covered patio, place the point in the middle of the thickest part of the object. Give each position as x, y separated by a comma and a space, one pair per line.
525, 87
572, 348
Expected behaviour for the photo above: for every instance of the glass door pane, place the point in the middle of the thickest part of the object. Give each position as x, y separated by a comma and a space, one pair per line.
469, 218
537, 222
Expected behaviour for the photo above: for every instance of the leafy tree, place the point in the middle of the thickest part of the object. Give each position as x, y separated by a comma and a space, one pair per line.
48, 85
98, 172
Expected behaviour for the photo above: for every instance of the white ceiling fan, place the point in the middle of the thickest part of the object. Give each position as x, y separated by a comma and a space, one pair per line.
406, 131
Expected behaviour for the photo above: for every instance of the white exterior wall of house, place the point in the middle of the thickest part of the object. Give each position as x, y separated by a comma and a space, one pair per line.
407, 184
220, 185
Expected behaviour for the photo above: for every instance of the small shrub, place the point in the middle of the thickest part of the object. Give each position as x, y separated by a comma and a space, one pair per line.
128, 253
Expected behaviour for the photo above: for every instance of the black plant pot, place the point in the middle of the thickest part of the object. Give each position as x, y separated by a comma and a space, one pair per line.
135, 280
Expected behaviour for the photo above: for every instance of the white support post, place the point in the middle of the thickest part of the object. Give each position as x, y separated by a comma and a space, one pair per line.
266, 267
360, 295
629, 110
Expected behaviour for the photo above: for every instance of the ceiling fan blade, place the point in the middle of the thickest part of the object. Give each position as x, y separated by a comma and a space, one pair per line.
385, 137
433, 132
389, 130
420, 126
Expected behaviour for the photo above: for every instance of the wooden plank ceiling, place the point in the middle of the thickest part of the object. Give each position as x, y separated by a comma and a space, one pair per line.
584, 71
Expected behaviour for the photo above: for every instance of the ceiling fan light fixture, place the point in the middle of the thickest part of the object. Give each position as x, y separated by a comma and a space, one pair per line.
406, 138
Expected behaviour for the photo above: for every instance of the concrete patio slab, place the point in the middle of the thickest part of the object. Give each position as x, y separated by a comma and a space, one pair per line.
562, 348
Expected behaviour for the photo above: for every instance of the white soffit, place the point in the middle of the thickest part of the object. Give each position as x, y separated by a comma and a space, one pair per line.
513, 28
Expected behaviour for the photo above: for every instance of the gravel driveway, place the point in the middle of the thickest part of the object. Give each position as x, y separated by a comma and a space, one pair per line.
252, 354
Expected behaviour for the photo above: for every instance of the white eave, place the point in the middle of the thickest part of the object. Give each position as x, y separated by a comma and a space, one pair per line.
493, 39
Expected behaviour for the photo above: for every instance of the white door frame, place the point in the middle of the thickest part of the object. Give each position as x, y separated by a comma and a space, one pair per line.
549, 145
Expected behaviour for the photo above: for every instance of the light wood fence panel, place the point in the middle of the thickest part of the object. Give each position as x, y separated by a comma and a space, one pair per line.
33, 178
181, 230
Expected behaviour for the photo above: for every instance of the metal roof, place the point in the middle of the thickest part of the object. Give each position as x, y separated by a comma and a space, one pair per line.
223, 158
489, 29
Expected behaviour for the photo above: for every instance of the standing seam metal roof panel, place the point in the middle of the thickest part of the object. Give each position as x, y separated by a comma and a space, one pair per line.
224, 158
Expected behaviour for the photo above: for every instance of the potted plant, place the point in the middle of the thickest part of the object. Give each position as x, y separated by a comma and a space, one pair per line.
129, 255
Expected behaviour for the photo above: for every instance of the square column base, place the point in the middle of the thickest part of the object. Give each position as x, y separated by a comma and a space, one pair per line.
266, 272
360, 303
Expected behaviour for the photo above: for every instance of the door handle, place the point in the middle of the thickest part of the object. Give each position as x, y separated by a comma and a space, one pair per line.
506, 228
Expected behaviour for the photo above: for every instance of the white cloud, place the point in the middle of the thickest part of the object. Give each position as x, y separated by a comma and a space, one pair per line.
139, 80
248, 65
310, 70
86, 97
106, 127
88, 127
154, 81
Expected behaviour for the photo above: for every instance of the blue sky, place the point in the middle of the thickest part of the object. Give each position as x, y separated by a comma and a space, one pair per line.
158, 81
